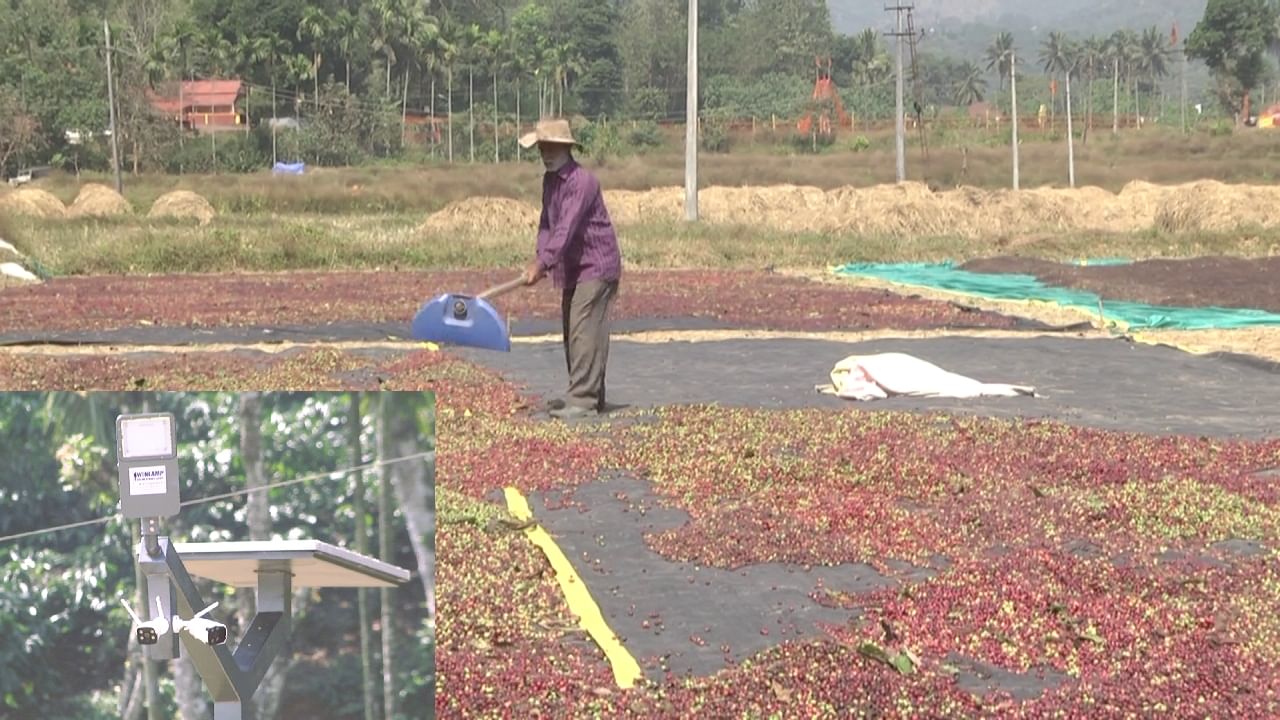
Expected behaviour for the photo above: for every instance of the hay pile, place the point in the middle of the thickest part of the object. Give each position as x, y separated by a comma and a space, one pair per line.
182, 204
913, 210
785, 207
484, 215
34, 202
1140, 201
97, 200
629, 207
1215, 207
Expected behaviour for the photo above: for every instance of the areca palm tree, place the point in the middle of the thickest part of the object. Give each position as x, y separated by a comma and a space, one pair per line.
972, 87
347, 31
470, 52
382, 20
215, 54
431, 49
517, 64
1090, 58
1000, 56
318, 28
492, 46
453, 51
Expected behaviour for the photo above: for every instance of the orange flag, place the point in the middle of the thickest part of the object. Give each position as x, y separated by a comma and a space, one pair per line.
1173, 36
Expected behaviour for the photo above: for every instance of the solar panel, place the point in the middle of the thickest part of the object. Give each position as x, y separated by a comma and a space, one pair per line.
313, 563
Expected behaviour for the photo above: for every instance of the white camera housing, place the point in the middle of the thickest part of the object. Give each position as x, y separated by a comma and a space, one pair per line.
149, 632
209, 632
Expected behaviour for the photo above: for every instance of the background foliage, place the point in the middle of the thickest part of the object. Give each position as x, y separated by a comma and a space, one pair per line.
350, 70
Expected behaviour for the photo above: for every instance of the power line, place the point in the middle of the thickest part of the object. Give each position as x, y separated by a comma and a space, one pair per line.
224, 496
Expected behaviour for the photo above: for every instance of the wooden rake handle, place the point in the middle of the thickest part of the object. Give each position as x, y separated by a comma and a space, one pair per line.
502, 289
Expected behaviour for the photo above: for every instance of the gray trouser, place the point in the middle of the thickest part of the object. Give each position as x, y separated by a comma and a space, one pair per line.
585, 312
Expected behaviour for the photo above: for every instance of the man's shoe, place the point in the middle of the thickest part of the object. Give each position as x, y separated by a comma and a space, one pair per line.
555, 404
573, 412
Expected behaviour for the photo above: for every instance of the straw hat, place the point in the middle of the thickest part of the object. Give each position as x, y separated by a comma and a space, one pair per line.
551, 130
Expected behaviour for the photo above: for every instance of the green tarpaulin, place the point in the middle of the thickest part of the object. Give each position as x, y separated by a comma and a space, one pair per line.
1008, 286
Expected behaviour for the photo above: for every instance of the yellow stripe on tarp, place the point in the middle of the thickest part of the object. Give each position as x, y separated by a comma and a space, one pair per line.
626, 671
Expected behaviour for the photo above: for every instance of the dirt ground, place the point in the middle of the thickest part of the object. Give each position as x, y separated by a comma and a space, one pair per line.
1198, 282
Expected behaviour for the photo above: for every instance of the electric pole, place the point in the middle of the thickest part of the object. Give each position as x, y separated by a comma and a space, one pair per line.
691, 121
1071, 140
1013, 88
1184, 88
1115, 99
111, 103
900, 125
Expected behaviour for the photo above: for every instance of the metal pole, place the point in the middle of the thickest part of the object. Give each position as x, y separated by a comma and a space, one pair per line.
1115, 100
691, 121
111, 103
1071, 140
1013, 87
900, 127
1184, 89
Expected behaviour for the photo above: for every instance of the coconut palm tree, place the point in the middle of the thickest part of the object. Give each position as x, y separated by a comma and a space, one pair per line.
972, 86
1153, 57
870, 61
1054, 56
1124, 53
1000, 55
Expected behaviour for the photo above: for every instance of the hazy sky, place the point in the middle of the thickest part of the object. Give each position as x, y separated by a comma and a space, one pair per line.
1076, 16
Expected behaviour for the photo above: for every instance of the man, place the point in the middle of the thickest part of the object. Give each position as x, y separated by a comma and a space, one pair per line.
578, 247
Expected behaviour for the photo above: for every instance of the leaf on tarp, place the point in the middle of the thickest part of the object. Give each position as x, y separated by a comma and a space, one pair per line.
1092, 636
779, 692
901, 662
513, 525
873, 651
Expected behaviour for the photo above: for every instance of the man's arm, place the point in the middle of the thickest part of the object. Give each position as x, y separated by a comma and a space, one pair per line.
544, 228
579, 193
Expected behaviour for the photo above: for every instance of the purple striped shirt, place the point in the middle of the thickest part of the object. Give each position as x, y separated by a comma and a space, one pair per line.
576, 240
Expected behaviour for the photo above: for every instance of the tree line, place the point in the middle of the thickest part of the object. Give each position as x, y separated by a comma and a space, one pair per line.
353, 70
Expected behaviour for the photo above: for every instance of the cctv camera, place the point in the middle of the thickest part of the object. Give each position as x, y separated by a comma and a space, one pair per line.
149, 632
207, 631
210, 632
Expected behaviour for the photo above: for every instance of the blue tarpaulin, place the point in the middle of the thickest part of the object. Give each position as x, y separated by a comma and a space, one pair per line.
1011, 286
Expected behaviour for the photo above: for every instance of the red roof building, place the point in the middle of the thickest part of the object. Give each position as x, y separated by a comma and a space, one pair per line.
206, 105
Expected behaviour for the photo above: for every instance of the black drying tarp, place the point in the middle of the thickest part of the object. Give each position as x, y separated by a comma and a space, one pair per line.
1105, 383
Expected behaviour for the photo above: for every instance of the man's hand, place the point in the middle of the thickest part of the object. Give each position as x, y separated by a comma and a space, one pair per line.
534, 272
